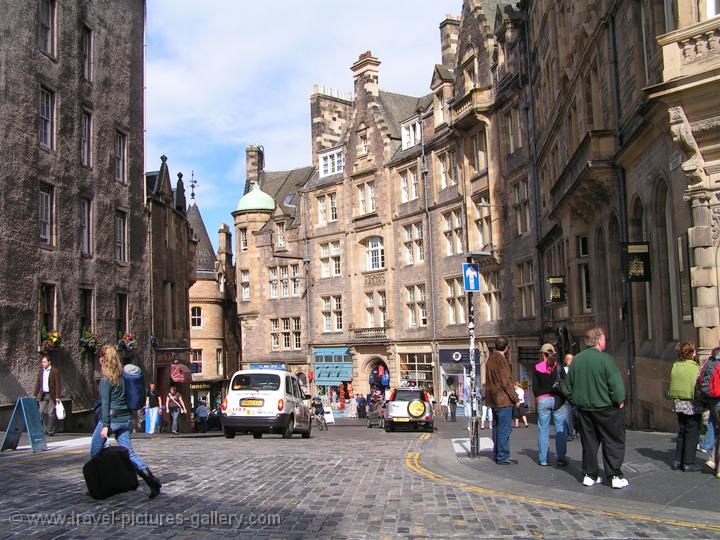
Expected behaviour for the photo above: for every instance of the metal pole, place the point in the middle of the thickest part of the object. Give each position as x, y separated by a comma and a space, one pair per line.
471, 357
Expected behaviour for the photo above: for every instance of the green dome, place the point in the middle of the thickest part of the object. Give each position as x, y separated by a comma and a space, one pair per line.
256, 200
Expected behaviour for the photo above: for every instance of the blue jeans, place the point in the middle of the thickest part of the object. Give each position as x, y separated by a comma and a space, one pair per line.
709, 440
502, 426
569, 425
175, 415
545, 406
121, 431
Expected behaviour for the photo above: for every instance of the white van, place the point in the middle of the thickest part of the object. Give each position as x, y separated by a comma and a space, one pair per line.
265, 401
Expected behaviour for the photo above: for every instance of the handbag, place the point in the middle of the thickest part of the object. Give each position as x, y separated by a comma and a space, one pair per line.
59, 410
558, 391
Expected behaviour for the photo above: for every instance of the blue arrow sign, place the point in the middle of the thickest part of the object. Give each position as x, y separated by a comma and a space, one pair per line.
471, 277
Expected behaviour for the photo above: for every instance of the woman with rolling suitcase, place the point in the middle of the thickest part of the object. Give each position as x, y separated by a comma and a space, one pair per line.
116, 416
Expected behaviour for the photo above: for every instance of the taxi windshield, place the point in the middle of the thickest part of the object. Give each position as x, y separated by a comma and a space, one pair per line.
256, 381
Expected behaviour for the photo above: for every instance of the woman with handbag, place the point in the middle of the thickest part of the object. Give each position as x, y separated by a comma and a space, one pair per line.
549, 404
683, 376
175, 405
116, 417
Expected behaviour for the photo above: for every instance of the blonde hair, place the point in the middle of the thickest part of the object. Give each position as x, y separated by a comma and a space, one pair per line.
111, 366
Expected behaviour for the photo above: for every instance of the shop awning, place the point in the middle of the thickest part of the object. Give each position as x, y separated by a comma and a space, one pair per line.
180, 373
332, 374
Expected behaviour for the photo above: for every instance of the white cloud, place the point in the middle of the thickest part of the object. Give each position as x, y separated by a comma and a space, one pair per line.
225, 74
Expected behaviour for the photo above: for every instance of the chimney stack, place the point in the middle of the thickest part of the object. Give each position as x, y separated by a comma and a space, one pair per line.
254, 165
365, 72
449, 32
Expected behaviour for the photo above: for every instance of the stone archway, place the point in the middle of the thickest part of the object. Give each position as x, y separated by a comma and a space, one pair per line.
375, 368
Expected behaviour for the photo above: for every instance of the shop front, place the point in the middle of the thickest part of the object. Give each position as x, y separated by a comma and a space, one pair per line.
417, 368
455, 371
333, 373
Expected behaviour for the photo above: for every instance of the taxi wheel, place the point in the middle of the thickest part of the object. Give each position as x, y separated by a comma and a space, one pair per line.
229, 433
257, 435
389, 428
288, 431
306, 434
369, 424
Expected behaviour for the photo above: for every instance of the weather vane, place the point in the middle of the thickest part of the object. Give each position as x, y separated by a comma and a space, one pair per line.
193, 183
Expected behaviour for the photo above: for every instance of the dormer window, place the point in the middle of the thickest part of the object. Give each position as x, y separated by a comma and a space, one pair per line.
440, 108
331, 163
363, 144
410, 133
280, 235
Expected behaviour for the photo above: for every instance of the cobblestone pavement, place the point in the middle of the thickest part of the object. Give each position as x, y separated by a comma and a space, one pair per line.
348, 482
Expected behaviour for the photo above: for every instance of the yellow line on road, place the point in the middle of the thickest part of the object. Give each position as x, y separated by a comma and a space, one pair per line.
412, 462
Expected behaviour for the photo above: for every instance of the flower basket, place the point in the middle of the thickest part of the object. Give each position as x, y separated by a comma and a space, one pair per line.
51, 341
127, 342
89, 341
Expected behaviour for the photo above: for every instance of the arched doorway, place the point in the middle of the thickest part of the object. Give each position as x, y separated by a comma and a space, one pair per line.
379, 378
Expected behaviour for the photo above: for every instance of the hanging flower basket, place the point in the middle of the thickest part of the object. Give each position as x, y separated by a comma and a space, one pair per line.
51, 341
127, 342
89, 341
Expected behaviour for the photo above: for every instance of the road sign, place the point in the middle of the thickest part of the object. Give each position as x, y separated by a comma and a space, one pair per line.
471, 277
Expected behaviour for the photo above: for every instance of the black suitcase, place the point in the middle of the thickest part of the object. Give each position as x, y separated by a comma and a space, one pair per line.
110, 472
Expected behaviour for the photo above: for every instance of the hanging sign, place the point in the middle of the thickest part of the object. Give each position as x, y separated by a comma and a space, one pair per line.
636, 261
556, 290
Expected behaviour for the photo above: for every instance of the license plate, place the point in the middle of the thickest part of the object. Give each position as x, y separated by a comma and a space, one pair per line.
251, 403
401, 419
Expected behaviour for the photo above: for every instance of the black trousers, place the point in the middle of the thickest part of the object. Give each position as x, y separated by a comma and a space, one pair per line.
687, 438
606, 427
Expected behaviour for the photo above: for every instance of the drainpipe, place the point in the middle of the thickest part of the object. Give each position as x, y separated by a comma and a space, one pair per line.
622, 196
530, 130
431, 261
306, 271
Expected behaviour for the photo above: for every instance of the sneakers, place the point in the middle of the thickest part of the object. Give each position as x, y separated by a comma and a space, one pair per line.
588, 481
562, 463
618, 482
710, 463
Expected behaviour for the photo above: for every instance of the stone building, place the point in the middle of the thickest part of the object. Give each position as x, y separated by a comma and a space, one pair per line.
214, 328
568, 147
73, 243
172, 248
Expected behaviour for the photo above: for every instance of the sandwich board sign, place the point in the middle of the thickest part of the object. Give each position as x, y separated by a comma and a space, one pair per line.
25, 416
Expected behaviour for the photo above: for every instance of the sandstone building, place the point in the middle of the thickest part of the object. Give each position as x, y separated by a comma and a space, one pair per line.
570, 146
73, 241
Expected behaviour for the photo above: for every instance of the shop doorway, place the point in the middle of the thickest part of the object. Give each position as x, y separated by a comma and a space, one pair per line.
379, 377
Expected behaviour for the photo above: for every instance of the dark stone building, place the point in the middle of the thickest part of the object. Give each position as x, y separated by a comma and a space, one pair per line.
73, 242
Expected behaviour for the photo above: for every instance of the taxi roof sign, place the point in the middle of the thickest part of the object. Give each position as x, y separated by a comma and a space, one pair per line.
279, 366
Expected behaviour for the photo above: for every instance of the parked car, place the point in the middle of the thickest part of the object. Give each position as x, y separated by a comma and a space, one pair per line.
376, 413
265, 400
409, 407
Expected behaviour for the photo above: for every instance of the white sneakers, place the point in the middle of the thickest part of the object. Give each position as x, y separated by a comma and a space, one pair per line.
618, 482
588, 481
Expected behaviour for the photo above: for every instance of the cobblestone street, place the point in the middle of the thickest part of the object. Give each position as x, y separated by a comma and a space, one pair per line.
347, 482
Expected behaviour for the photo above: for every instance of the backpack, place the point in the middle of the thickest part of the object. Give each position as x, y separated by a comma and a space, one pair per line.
707, 386
385, 379
134, 382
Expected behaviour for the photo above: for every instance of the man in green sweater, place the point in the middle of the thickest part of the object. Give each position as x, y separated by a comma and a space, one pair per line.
594, 385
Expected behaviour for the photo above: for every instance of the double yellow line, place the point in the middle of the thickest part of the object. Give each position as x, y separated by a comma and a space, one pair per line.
412, 462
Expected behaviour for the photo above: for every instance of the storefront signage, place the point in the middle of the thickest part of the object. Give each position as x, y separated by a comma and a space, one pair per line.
556, 290
636, 261
457, 356
416, 376
267, 366
199, 386
410, 349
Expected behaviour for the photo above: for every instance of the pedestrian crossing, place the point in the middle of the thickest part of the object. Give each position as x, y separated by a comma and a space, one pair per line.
461, 447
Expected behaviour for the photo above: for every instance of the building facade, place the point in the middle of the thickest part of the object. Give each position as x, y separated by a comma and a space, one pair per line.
570, 148
214, 328
73, 243
172, 252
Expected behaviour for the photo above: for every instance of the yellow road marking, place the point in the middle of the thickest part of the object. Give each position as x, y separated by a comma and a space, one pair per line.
412, 462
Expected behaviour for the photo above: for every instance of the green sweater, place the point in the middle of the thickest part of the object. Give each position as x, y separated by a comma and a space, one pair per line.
113, 397
594, 381
682, 379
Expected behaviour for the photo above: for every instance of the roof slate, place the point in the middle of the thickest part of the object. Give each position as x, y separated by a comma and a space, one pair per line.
204, 253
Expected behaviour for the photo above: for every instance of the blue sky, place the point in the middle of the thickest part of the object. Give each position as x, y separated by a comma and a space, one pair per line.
224, 74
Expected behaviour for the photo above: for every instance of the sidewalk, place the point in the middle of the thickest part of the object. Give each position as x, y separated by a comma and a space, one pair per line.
654, 486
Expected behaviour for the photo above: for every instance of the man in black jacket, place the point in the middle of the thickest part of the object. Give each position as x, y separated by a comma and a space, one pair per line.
47, 392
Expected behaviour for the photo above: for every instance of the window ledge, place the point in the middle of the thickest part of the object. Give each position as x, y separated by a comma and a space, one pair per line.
367, 215
47, 247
